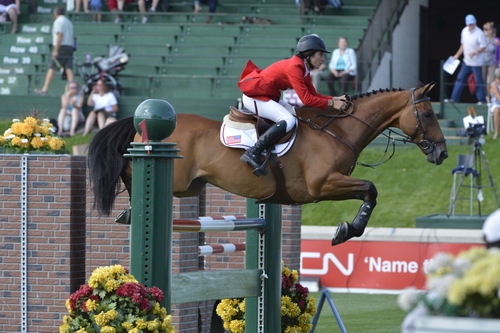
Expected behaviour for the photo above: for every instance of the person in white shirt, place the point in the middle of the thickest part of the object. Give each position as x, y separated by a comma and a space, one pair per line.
105, 107
342, 67
473, 44
62, 49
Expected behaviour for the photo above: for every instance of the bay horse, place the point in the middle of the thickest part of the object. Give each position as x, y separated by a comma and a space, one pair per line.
317, 167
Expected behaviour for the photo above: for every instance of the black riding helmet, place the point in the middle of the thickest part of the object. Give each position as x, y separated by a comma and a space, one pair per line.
311, 42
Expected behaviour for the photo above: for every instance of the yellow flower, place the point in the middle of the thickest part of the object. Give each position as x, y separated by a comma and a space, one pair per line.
112, 314
153, 324
64, 328
91, 305
293, 329
101, 319
128, 326
68, 307
111, 285
141, 324
295, 276
31, 121
37, 142
134, 330
237, 326
56, 143
81, 330
108, 329
22, 129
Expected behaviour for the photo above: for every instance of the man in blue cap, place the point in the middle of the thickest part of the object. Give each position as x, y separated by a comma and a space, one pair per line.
472, 46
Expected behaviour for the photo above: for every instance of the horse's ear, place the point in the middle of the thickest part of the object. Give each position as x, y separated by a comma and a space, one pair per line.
428, 87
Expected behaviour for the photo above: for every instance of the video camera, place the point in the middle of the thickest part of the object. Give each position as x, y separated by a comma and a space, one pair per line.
474, 124
474, 131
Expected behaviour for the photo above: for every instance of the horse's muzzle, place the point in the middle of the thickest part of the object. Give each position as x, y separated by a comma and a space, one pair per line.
438, 155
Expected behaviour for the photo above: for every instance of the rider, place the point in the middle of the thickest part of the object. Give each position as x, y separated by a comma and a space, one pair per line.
262, 91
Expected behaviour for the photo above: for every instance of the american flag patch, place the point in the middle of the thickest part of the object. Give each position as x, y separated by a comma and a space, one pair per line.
231, 140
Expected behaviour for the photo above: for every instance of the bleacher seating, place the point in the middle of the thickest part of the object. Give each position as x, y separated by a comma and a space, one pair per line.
175, 56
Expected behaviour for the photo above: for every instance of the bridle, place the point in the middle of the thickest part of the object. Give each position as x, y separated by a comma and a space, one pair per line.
426, 144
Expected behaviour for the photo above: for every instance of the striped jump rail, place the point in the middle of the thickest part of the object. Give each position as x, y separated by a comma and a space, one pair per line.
208, 249
227, 223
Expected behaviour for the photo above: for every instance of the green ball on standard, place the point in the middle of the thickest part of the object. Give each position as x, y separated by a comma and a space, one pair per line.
160, 118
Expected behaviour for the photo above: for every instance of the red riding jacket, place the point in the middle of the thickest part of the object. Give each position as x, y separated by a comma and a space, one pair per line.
266, 84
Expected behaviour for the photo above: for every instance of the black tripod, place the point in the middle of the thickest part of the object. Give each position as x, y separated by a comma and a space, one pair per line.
472, 165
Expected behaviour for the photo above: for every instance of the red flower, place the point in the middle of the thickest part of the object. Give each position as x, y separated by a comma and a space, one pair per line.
127, 289
145, 305
157, 294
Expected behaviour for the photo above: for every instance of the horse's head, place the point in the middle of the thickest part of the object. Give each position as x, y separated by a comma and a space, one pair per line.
419, 122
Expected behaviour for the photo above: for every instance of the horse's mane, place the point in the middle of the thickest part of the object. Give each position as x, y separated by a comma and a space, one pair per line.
374, 92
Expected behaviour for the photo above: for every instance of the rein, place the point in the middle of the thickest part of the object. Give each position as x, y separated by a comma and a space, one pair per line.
427, 145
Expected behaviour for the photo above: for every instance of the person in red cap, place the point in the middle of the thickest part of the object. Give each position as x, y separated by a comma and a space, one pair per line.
262, 93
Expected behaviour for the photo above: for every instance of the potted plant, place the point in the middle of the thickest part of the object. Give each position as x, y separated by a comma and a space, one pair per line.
463, 291
297, 307
31, 135
112, 302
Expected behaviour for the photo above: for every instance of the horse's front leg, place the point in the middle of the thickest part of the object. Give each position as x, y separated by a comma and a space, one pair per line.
340, 187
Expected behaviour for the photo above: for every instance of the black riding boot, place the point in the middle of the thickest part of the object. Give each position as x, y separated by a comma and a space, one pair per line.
265, 141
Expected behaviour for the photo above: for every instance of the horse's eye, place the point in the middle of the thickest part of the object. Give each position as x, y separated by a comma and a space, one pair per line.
428, 114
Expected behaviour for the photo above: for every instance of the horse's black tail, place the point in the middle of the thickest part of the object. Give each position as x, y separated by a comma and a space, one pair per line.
106, 162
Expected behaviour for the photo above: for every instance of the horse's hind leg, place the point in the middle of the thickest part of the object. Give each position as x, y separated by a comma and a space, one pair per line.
345, 188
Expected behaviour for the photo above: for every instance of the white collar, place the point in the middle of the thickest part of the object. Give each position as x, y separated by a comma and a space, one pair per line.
307, 68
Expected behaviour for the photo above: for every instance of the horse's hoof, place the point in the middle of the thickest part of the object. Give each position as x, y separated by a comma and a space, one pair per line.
342, 234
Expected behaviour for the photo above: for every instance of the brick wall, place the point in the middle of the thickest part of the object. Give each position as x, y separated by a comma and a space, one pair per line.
56, 238
67, 240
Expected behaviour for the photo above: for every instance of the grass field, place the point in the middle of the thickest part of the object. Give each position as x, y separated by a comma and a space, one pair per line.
408, 187
361, 313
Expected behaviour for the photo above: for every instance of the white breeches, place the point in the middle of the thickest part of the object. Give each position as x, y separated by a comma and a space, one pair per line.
272, 110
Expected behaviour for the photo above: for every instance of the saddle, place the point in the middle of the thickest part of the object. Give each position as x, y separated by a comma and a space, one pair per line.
280, 193
261, 124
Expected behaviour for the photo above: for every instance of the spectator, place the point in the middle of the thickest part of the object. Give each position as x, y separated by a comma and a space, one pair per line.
96, 6
306, 5
105, 107
491, 230
13, 9
78, 3
117, 6
472, 46
71, 108
495, 102
490, 62
319, 73
342, 67
62, 50
212, 7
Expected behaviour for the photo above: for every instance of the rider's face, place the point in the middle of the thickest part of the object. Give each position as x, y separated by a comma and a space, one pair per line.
317, 59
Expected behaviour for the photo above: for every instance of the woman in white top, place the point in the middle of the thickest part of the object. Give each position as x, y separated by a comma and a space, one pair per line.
342, 67
105, 107
71, 107
495, 102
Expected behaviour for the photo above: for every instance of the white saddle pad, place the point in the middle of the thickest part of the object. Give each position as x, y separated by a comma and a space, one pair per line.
244, 136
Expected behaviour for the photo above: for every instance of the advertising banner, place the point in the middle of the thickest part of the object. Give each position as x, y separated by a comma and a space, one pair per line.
380, 265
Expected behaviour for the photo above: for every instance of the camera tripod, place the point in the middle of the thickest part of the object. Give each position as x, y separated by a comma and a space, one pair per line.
471, 165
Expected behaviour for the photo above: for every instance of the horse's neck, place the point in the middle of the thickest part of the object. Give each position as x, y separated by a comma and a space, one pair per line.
377, 113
